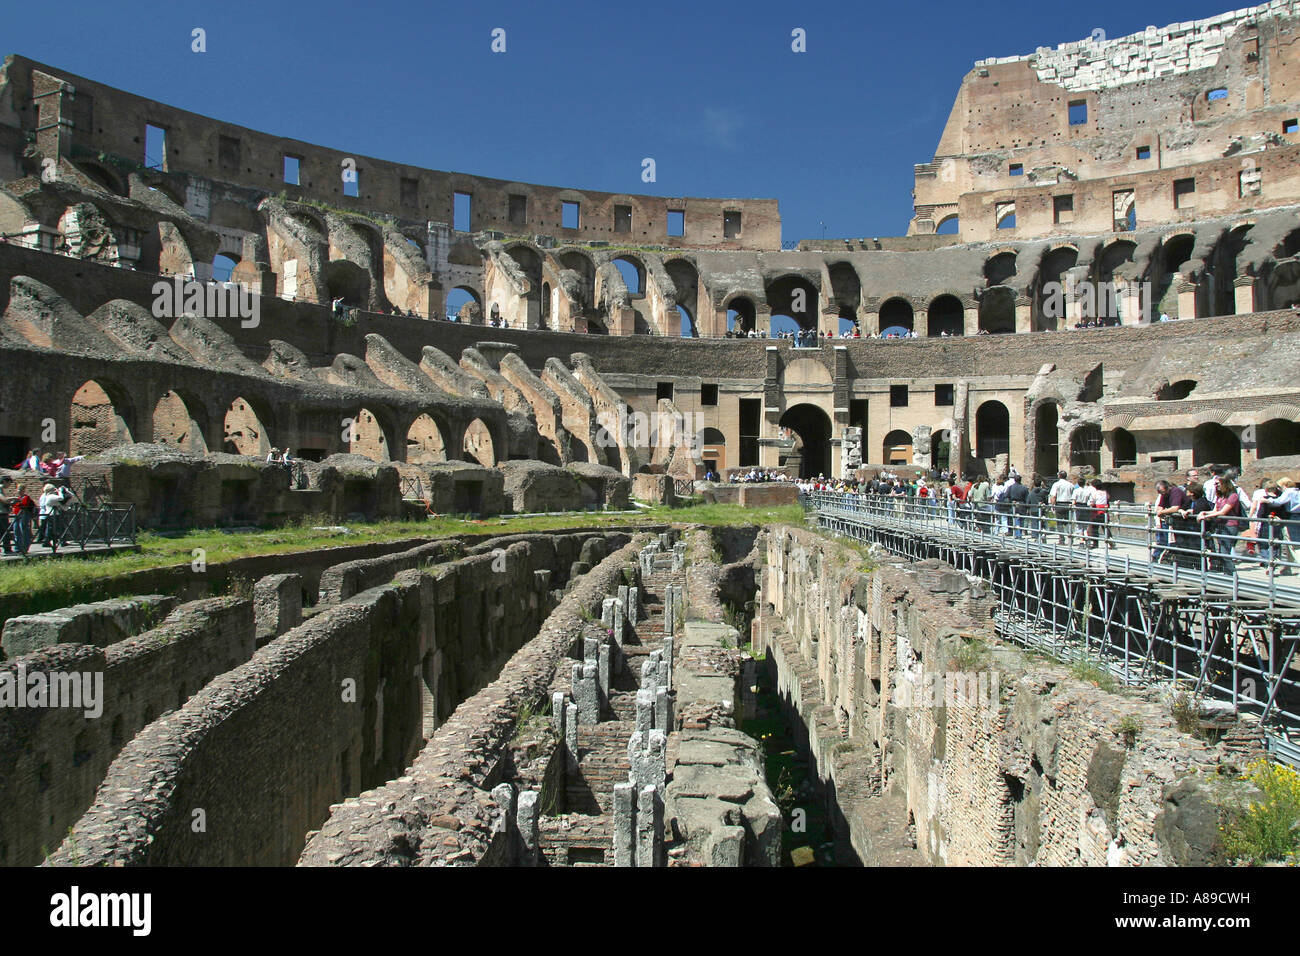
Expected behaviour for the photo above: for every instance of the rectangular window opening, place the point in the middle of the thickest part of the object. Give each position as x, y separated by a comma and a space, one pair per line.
1078, 112
1017, 169
731, 224
676, 222
1063, 209
1184, 193
622, 218
898, 396
1144, 152
460, 213
292, 169
943, 395
663, 390
709, 395
155, 147
517, 213
570, 215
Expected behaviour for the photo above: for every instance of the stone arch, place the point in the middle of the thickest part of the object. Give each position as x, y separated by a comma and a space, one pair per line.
246, 428
1215, 444
945, 314
426, 440
992, 430
1277, 436
371, 436
102, 176
1123, 448
997, 311
846, 288
1049, 298
1227, 254
1085, 447
896, 313
633, 271
1174, 251
459, 299
1000, 267
941, 227
477, 444
181, 422
813, 426
897, 448
742, 314
101, 417
793, 297
346, 279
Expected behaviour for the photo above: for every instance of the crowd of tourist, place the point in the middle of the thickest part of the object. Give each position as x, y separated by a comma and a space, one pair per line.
1213, 524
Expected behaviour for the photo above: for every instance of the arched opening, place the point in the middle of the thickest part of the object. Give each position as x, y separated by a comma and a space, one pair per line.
847, 323
997, 313
1085, 447
940, 449
347, 280
582, 266
424, 441
478, 444
992, 430
222, 267
633, 273
98, 421
1049, 300
546, 305
464, 305
998, 269
530, 263
1172, 256
1226, 255
174, 424
741, 315
1213, 444
1277, 436
713, 450
1047, 454
813, 448
369, 437
948, 226
1123, 448
686, 323
896, 318
846, 288
102, 177
946, 316
794, 300
1106, 305
244, 431
897, 448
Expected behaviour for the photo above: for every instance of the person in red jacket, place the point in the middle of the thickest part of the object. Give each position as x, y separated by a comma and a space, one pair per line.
20, 522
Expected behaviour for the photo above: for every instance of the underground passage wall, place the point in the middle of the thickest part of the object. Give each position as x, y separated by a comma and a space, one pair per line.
250, 764
1024, 765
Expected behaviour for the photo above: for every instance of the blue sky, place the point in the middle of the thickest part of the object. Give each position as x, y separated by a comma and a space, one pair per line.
585, 91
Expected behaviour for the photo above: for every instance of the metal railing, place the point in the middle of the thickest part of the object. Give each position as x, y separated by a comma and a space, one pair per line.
78, 526
1147, 599
683, 487
413, 488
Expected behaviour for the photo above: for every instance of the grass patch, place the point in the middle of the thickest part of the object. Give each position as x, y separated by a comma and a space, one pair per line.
1091, 672
51, 584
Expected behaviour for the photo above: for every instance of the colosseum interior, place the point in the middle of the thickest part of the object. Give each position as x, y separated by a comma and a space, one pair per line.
677, 666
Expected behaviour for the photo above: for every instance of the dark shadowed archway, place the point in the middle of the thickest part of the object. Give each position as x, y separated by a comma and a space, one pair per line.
813, 426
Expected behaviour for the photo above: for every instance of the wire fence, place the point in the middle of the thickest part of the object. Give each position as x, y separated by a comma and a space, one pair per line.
77, 526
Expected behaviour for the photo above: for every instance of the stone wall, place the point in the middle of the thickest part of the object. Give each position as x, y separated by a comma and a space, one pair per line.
52, 759
1019, 764
441, 811
338, 704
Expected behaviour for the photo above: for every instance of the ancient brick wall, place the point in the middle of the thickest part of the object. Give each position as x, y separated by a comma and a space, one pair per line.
1024, 769
336, 705
52, 759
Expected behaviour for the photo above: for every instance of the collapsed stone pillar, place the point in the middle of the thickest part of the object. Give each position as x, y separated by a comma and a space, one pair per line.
585, 694
526, 824
648, 756
624, 825
571, 735
649, 827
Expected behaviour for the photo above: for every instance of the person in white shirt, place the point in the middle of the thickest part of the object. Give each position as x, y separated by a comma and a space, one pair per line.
1061, 494
1081, 503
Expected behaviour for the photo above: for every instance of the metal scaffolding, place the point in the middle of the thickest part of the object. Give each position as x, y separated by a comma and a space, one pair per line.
1146, 603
